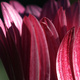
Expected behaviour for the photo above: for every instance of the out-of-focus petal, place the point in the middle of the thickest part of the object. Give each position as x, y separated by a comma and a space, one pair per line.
15, 59
76, 54
64, 3
34, 10
69, 18
11, 15
42, 49
64, 66
49, 9
53, 44
60, 23
75, 9
17, 6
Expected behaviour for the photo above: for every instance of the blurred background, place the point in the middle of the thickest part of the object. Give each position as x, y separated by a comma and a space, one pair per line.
3, 75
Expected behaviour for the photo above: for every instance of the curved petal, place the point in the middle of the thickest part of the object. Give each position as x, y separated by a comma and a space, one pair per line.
76, 55
30, 54
64, 66
17, 6
43, 49
52, 46
34, 10
10, 15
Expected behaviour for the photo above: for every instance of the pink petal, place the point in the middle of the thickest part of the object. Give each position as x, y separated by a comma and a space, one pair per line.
17, 6
10, 15
76, 55
34, 10
64, 58
42, 49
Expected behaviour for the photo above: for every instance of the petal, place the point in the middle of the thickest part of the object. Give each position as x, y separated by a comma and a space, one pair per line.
2, 27
64, 3
34, 10
42, 49
10, 15
75, 8
64, 66
53, 44
49, 9
14, 57
76, 54
60, 23
17, 6
30, 49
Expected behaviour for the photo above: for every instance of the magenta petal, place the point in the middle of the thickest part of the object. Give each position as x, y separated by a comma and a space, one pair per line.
2, 27
49, 9
14, 57
34, 10
60, 23
10, 15
18, 7
30, 48
64, 3
76, 55
75, 8
64, 58
42, 49
53, 46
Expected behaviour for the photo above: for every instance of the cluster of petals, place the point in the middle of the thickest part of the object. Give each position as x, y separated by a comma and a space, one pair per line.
41, 43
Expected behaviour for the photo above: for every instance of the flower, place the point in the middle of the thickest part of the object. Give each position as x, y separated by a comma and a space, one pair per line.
26, 48
29, 46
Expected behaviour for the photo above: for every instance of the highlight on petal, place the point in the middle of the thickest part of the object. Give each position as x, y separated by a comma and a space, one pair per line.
34, 10
11, 15
76, 54
17, 6
64, 66
53, 44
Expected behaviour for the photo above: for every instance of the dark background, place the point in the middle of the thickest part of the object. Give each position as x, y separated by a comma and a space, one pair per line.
37, 2
3, 75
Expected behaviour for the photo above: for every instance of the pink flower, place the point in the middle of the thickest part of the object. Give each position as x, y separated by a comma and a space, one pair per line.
26, 46
31, 49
